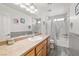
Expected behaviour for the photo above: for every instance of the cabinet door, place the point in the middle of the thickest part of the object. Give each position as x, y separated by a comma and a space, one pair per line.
39, 47
40, 53
31, 53
47, 46
44, 50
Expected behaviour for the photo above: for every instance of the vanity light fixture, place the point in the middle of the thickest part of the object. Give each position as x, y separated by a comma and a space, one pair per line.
27, 9
32, 11
22, 6
61, 19
28, 6
32, 7
36, 10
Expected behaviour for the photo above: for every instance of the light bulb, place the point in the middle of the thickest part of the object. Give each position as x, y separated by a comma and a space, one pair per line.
32, 11
36, 10
32, 7
27, 9
22, 6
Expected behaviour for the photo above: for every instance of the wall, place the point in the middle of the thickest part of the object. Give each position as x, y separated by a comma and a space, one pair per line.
7, 15
74, 31
74, 19
57, 9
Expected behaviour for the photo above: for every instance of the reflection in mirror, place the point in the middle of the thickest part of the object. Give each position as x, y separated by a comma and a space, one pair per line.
36, 27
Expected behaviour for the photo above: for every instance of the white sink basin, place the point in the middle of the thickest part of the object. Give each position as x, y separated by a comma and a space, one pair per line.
35, 38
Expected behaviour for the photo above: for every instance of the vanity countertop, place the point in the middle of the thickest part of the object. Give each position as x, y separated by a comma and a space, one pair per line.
20, 47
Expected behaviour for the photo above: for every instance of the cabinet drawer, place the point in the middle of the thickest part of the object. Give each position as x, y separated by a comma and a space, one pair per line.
31, 53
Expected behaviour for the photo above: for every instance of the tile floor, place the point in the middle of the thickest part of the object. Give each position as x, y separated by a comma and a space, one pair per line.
59, 51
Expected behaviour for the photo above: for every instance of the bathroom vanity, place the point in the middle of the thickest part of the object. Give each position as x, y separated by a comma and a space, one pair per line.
33, 46
41, 49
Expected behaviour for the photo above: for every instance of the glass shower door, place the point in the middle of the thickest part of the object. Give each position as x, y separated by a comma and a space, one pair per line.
61, 38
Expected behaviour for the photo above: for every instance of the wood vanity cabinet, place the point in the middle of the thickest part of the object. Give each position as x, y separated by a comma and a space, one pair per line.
44, 48
40, 50
40, 53
44, 51
31, 53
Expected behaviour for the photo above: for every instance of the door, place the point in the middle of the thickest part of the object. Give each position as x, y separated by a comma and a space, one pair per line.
61, 32
4, 26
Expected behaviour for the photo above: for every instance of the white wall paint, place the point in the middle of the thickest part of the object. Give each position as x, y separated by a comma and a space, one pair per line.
74, 39
7, 15
74, 19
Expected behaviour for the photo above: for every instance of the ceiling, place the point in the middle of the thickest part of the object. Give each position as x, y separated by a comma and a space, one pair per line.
52, 8
44, 8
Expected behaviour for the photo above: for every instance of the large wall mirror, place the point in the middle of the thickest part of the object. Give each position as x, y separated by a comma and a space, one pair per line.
36, 25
